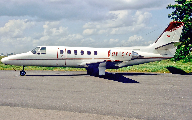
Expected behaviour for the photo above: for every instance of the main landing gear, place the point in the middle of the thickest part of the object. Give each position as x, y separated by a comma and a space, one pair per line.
22, 73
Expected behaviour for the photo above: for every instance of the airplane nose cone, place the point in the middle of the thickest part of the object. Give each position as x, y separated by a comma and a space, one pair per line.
4, 60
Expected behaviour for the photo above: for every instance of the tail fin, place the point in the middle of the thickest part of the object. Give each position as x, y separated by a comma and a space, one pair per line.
165, 44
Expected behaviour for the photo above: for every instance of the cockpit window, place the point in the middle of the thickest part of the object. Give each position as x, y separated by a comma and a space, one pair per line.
43, 50
34, 51
39, 51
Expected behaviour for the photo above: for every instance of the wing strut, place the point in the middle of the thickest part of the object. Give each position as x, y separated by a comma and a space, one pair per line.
102, 68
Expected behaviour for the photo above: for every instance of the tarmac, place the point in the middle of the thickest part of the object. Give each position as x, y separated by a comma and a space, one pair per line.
77, 96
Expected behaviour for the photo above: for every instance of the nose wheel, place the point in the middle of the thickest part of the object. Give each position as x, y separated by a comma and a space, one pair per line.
22, 73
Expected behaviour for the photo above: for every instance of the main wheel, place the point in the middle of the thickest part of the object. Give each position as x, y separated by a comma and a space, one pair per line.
22, 73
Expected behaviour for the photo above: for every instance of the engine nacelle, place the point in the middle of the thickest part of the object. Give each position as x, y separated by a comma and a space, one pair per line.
120, 55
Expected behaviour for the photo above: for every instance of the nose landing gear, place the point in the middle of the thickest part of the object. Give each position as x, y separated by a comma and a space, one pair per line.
22, 73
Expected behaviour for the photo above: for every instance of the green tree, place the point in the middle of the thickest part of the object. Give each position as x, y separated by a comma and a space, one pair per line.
183, 13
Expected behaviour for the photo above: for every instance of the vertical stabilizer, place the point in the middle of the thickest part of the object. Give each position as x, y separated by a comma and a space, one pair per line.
166, 43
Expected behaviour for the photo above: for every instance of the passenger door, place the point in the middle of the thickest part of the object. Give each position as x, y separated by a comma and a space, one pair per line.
61, 57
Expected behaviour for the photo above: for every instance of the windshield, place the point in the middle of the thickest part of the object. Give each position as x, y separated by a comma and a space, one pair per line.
34, 51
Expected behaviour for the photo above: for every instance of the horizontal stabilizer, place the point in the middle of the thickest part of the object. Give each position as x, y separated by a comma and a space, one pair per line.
167, 46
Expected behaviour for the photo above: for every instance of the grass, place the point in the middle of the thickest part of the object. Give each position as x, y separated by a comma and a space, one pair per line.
158, 67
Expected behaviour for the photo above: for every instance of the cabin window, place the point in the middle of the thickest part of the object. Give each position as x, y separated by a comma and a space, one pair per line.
82, 52
95, 52
43, 50
61, 51
75, 52
88, 52
68, 51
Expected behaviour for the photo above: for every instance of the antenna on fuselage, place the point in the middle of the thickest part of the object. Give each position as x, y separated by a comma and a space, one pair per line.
146, 34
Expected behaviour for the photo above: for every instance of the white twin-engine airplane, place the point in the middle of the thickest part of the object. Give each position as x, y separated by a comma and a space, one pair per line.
97, 60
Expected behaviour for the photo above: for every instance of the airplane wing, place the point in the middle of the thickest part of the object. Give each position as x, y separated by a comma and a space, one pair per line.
99, 68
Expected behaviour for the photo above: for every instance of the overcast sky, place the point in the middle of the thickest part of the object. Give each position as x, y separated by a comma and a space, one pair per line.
25, 24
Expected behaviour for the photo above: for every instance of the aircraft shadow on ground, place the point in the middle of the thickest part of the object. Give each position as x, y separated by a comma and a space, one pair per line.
175, 70
119, 77
59, 75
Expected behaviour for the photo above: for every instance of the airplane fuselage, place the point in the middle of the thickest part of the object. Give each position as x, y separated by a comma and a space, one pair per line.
62, 56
